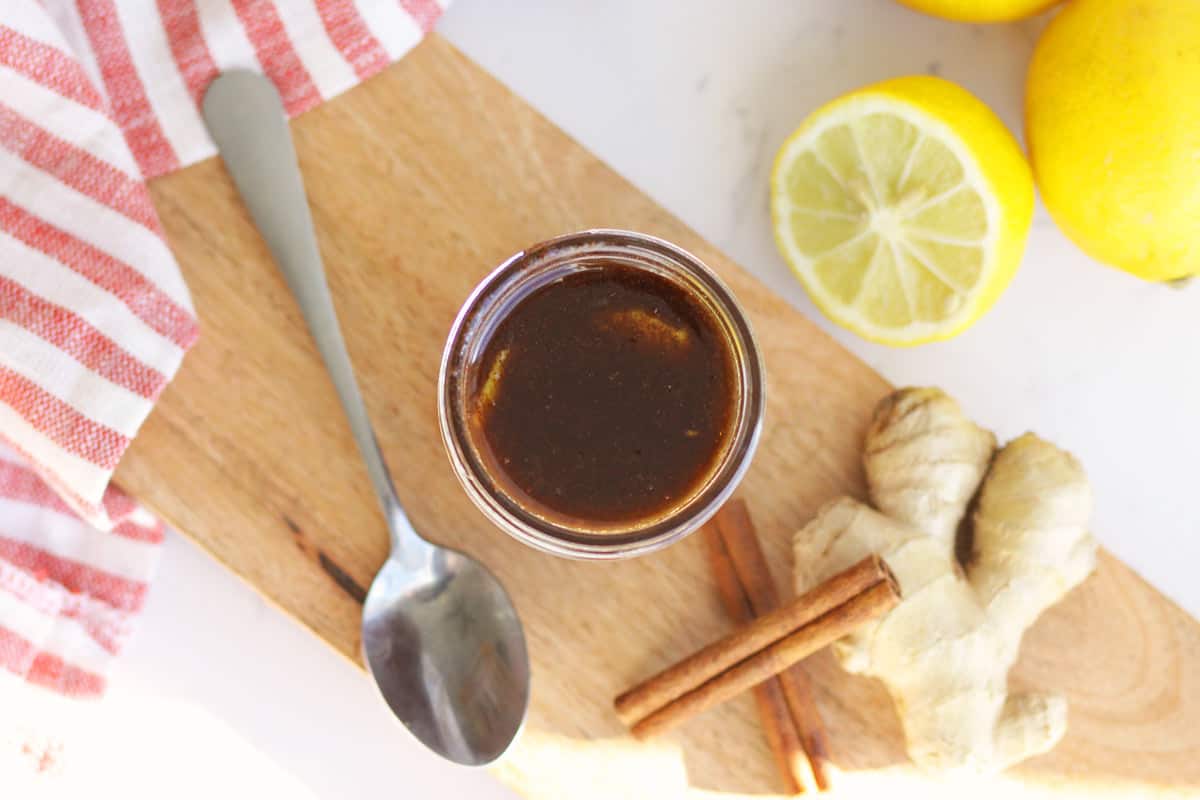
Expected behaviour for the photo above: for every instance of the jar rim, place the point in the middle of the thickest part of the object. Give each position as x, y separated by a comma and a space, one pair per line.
508, 284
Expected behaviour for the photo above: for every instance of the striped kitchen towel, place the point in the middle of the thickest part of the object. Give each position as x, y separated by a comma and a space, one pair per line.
96, 96
68, 591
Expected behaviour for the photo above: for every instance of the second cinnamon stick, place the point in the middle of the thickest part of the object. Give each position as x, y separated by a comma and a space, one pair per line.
780, 730
736, 531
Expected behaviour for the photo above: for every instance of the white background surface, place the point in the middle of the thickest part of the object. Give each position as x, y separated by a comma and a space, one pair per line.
689, 99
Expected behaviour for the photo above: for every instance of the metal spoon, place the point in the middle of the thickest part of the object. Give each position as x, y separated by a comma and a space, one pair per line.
440, 635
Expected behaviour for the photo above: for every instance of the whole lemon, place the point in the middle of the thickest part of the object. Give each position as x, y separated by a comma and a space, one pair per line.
980, 10
1112, 114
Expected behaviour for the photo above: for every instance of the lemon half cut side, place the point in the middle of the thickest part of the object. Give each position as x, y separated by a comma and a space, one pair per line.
903, 208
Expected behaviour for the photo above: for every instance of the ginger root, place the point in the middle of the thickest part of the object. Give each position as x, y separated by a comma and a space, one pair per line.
945, 651
925, 460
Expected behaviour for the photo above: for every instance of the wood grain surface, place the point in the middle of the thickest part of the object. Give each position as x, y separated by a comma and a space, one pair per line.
420, 181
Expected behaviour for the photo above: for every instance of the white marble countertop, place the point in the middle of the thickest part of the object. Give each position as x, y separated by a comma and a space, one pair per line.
689, 99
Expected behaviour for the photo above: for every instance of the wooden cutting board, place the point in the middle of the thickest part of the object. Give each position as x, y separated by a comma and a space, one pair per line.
420, 181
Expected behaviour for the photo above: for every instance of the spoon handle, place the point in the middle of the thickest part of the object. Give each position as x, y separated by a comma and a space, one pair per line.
245, 117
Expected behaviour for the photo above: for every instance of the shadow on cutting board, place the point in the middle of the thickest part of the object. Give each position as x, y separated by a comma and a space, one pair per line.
1130, 732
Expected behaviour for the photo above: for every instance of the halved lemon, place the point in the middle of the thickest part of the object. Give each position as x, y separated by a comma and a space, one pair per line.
904, 208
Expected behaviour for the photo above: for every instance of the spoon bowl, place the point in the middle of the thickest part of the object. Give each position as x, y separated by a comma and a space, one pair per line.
444, 639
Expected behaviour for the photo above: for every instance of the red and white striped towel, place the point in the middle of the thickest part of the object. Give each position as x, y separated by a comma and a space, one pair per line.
67, 590
95, 97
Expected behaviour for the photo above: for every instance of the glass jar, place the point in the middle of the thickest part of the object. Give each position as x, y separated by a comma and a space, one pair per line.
540, 266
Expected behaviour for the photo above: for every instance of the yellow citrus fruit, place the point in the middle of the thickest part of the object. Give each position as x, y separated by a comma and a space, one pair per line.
903, 207
1112, 115
980, 10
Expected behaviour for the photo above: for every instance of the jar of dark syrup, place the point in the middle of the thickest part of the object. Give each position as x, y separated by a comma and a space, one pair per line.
601, 394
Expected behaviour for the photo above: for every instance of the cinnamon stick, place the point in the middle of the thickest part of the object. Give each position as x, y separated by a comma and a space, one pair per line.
778, 727
736, 531
651, 695
772, 659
